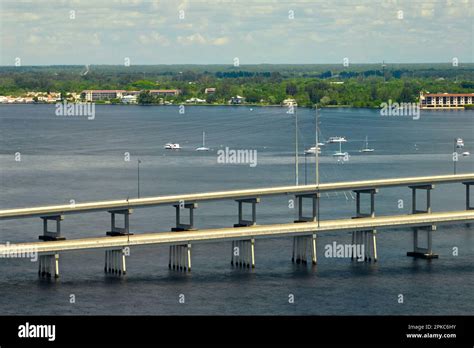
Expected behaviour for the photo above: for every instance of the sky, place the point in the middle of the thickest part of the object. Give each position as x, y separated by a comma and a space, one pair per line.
81, 32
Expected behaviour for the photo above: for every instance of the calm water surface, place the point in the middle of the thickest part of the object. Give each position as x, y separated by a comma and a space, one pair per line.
64, 158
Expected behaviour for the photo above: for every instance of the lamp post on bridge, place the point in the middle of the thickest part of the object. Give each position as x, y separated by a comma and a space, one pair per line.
317, 162
138, 177
455, 155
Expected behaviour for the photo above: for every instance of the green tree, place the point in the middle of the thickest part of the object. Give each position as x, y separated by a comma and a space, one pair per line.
291, 89
145, 98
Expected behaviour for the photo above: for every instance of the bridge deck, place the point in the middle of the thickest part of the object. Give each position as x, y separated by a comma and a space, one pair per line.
277, 230
235, 194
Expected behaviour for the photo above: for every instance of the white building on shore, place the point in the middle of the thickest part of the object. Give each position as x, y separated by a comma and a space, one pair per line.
445, 100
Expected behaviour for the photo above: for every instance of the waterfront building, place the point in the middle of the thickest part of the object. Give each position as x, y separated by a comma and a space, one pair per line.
445, 100
164, 92
103, 94
237, 100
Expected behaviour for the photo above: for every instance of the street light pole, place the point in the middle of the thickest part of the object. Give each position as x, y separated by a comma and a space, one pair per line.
317, 162
296, 147
305, 171
455, 156
138, 176
317, 148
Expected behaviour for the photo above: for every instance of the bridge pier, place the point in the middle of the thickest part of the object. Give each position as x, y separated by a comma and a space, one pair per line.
372, 193
242, 221
368, 241
428, 189
115, 261
243, 253
314, 212
468, 195
300, 246
120, 231
419, 252
180, 226
180, 257
52, 235
48, 263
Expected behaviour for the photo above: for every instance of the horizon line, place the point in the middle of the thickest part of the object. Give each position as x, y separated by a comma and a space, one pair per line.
231, 65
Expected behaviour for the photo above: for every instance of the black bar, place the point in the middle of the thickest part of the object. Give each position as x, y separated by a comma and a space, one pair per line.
190, 330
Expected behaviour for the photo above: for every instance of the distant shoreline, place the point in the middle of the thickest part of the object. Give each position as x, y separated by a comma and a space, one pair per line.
466, 107
204, 104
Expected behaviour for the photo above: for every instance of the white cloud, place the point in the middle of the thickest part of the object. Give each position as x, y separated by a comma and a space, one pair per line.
190, 39
256, 29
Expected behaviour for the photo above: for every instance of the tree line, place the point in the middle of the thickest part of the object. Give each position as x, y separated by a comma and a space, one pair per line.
358, 86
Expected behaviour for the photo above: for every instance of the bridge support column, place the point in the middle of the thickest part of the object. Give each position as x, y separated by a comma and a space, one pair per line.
120, 231
428, 189
180, 257
300, 247
48, 263
364, 245
52, 235
183, 226
115, 261
243, 253
419, 252
468, 194
242, 221
372, 193
314, 212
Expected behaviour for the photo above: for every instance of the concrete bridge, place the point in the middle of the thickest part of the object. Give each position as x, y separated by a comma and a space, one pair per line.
304, 230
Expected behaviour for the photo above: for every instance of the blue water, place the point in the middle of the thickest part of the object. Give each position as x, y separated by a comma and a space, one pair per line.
64, 158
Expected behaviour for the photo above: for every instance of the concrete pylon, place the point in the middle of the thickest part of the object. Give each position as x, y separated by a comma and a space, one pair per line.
115, 261
48, 265
180, 257
243, 253
300, 247
365, 242
420, 252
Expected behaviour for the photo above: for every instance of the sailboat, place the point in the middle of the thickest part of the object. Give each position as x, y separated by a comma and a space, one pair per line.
366, 147
312, 149
203, 147
340, 153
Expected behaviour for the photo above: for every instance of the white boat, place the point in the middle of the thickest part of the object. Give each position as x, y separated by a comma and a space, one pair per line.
203, 147
172, 146
459, 143
366, 147
466, 153
321, 144
332, 140
340, 153
312, 149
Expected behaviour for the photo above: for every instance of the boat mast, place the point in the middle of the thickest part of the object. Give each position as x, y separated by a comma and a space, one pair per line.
317, 147
296, 146
203, 139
